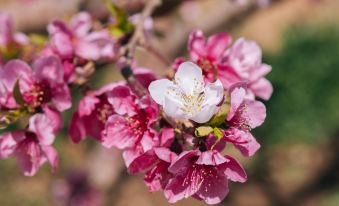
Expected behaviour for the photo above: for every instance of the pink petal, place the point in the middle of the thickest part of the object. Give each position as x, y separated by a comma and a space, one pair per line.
76, 130
165, 154
6, 31
157, 178
62, 97
16, 70
243, 141
118, 133
81, 23
183, 161
262, 88
217, 44
143, 162
54, 116
52, 156
237, 97
234, 171
213, 189
130, 154
63, 44
42, 126
123, 101
196, 45
50, 69
9, 142
166, 137
30, 157
144, 76
255, 113
87, 105
211, 157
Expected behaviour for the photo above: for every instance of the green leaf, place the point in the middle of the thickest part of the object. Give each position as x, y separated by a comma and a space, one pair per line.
217, 132
122, 25
203, 131
38, 39
220, 116
17, 94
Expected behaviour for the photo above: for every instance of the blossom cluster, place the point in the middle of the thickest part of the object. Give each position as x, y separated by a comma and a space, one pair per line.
174, 130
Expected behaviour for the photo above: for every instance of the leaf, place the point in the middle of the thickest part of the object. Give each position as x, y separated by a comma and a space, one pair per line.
121, 25
17, 94
38, 39
217, 132
220, 116
203, 131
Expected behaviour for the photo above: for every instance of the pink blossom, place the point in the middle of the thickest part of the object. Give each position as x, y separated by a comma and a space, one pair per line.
75, 38
40, 85
202, 175
239, 63
132, 125
7, 34
92, 114
32, 147
244, 57
244, 115
156, 162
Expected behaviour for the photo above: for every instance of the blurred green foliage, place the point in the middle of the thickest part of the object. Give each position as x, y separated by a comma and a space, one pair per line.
305, 77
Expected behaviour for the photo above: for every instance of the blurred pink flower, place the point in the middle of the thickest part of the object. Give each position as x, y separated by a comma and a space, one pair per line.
39, 86
202, 175
244, 57
7, 34
244, 115
32, 147
239, 63
76, 39
91, 115
155, 161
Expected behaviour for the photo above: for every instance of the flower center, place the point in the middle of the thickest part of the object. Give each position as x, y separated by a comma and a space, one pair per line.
241, 118
138, 124
104, 110
209, 69
39, 93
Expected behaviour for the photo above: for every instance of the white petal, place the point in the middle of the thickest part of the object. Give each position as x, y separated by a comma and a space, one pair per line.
172, 107
189, 78
205, 114
214, 93
158, 90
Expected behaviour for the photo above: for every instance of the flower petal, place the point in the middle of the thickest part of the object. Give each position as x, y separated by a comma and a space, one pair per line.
76, 130
189, 78
205, 114
237, 97
52, 156
234, 171
217, 44
42, 126
81, 23
262, 88
213, 189
118, 133
158, 90
196, 45
9, 142
214, 93
211, 157
50, 69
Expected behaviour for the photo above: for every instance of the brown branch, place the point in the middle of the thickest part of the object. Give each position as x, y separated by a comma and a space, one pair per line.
138, 35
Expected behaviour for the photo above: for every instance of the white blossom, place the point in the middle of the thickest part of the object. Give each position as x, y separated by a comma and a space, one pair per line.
187, 96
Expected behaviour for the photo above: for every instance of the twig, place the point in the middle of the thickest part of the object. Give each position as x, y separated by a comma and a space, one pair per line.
138, 35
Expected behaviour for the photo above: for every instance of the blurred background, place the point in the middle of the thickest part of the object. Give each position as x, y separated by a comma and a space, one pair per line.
298, 163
